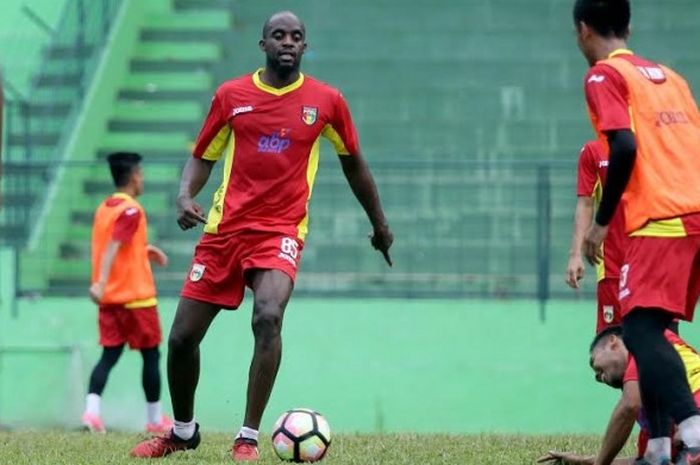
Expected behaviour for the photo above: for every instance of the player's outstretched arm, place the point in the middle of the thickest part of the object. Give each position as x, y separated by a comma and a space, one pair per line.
565, 458
363, 186
583, 216
620, 424
194, 176
155, 254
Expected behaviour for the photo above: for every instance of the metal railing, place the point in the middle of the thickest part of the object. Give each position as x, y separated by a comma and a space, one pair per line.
472, 229
38, 122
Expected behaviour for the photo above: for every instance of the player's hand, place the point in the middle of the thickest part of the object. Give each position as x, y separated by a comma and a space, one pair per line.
593, 242
381, 240
575, 271
156, 255
189, 213
565, 458
97, 291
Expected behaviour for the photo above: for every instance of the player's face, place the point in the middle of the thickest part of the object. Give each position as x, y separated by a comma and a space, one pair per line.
285, 44
608, 364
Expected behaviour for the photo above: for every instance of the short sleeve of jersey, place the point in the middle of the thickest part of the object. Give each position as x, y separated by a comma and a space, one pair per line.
631, 373
340, 130
215, 133
587, 175
606, 96
126, 224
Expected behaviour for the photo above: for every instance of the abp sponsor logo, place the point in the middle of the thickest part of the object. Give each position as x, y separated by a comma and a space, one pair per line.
277, 142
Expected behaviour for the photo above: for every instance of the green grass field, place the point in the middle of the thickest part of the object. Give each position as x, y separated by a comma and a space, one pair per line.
61, 448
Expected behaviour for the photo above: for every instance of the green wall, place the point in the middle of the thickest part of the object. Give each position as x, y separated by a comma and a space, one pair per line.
369, 365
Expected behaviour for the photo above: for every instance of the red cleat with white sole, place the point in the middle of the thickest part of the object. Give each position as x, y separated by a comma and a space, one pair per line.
165, 425
160, 446
93, 423
245, 450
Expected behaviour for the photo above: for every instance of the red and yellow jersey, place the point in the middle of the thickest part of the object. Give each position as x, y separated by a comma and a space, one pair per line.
130, 283
271, 138
691, 361
629, 92
592, 172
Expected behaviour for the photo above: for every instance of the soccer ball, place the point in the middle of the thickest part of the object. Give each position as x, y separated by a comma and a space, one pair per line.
301, 435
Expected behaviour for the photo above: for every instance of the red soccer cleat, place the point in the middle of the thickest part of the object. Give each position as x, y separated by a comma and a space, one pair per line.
164, 426
245, 450
160, 446
93, 423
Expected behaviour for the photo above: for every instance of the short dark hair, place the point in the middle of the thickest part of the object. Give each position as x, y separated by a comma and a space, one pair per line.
121, 165
267, 26
604, 335
606, 17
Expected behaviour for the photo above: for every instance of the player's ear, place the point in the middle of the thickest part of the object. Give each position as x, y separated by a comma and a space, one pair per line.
583, 30
615, 342
261, 44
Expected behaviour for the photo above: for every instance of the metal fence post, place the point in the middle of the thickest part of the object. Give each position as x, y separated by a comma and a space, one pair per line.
543, 239
80, 45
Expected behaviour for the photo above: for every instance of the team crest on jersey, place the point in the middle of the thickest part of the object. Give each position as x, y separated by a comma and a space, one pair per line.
608, 313
197, 272
309, 115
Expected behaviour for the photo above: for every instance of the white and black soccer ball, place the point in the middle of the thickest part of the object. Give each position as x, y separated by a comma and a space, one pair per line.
301, 435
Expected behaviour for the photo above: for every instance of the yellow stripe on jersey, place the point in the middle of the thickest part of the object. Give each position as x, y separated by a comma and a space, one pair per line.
218, 144
662, 228
273, 90
144, 303
597, 196
311, 169
216, 212
691, 361
332, 135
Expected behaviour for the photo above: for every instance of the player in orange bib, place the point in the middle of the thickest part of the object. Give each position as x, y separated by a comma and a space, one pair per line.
645, 114
592, 172
124, 289
268, 126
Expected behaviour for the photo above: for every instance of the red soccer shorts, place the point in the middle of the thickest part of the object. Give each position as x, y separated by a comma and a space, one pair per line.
221, 262
139, 327
661, 272
608, 304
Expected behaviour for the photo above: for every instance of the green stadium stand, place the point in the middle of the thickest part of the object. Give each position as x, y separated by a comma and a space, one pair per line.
157, 110
460, 106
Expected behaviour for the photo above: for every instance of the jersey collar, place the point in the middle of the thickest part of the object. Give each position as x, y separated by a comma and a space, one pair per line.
273, 90
121, 195
620, 51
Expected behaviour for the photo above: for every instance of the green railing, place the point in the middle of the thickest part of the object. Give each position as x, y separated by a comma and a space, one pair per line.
38, 122
463, 229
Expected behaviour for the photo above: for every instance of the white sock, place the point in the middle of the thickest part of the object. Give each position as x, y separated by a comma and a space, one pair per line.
248, 433
689, 430
658, 450
92, 404
153, 412
184, 429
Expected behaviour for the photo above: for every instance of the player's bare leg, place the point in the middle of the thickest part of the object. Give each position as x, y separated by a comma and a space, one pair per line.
272, 289
191, 323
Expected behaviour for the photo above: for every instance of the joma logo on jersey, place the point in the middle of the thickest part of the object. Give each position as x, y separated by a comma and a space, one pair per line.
667, 118
238, 110
275, 143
